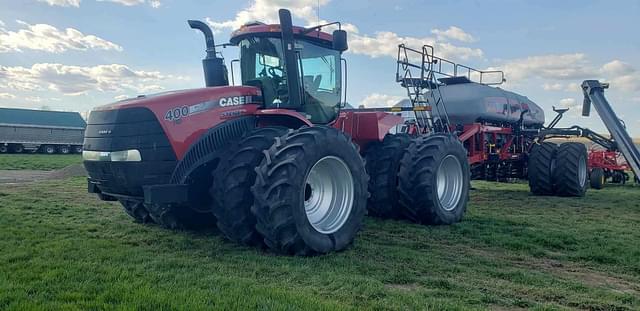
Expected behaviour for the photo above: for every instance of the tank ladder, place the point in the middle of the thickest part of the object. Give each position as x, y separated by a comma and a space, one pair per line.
415, 72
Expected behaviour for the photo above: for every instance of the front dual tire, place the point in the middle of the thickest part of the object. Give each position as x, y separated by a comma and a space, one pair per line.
310, 192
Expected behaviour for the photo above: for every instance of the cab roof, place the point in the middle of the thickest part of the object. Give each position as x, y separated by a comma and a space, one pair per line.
273, 30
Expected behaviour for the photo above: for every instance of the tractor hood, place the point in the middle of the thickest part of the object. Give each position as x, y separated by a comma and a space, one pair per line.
183, 115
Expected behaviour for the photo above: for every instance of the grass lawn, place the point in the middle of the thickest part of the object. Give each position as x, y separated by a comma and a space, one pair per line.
63, 249
45, 162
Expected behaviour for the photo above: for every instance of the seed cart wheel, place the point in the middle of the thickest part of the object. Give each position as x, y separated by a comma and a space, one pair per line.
434, 180
48, 149
383, 165
232, 185
4, 149
597, 178
64, 149
137, 211
542, 162
570, 175
310, 192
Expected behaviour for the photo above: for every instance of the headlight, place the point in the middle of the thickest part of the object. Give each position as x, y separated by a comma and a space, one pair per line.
114, 156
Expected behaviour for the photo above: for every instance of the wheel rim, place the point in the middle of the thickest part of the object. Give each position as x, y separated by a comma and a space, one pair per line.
450, 182
582, 171
328, 194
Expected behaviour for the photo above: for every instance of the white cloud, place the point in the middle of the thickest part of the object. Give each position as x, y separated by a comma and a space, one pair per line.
125, 2
76, 3
266, 11
377, 100
385, 43
574, 107
7, 96
454, 33
553, 86
76, 80
550, 67
66, 3
43, 37
617, 67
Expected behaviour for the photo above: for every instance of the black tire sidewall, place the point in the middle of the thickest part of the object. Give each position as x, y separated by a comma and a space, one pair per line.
318, 241
595, 178
457, 150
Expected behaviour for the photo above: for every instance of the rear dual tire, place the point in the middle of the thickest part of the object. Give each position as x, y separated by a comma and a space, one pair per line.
558, 170
383, 164
434, 180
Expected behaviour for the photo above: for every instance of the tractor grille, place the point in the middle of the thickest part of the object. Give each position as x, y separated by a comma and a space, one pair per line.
125, 129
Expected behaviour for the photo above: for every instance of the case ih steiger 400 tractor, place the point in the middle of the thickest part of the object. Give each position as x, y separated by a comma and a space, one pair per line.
274, 162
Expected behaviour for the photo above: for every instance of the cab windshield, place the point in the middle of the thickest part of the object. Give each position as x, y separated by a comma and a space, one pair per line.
262, 64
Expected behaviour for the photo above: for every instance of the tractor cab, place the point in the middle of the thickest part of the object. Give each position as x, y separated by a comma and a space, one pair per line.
263, 64
296, 68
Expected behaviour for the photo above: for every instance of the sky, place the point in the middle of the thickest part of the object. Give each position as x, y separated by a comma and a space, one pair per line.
73, 55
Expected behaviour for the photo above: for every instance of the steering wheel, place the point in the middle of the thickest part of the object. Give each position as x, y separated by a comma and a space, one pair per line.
273, 73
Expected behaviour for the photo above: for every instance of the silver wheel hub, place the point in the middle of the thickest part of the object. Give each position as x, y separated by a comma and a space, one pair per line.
582, 171
328, 194
450, 182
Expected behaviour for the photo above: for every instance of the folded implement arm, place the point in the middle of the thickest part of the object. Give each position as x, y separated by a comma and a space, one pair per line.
594, 95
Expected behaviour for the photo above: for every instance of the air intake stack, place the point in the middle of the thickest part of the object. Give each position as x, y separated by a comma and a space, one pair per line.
215, 72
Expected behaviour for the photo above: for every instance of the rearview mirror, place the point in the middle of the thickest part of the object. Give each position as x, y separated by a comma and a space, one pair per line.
340, 40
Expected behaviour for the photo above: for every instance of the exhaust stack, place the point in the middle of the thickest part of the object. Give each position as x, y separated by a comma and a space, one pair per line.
215, 72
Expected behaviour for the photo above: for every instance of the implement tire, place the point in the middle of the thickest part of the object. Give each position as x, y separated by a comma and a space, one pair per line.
570, 175
541, 165
597, 178
383, 165
233, 180
310, 192
434, 180
137, 211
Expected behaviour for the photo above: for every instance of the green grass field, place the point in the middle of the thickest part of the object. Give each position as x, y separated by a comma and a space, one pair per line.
45, 162
63, 249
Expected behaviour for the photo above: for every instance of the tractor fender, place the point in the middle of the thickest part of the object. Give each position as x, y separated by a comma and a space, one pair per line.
210, 146
282, 117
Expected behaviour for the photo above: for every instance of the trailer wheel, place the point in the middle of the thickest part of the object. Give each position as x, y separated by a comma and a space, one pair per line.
77, 149
434, 180
310, 192
4, 149
180, 217
541, 165
137, 211
383, 165
48, 149
17, 148
232, 185
570, 175
597, 178
64, 149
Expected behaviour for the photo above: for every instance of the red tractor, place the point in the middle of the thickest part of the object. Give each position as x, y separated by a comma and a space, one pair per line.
274, 162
